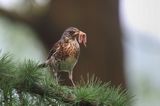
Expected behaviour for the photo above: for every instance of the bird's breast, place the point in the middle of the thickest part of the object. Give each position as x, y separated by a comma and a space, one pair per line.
69, 50
67, 56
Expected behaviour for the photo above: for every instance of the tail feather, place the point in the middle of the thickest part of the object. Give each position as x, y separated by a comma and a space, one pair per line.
43, 65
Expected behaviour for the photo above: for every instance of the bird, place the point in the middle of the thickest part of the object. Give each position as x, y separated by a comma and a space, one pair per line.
64, 54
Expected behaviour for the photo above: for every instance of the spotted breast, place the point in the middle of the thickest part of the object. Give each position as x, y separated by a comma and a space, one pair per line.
67, 56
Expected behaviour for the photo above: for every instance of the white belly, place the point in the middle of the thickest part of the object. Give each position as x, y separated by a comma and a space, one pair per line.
67, 65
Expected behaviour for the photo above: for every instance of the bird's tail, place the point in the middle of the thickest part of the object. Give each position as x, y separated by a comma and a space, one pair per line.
43, 65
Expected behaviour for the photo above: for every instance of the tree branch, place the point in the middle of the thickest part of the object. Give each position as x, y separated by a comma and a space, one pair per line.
28, 79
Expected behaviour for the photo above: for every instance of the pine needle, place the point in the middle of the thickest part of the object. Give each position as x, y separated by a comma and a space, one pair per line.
27, 84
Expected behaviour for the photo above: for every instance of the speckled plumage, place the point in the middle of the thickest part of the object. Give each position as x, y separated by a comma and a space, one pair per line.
65, 53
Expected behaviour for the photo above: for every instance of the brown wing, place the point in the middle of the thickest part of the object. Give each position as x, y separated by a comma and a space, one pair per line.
54, 49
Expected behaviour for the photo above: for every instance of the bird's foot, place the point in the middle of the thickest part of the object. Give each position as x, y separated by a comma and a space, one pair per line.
71, 78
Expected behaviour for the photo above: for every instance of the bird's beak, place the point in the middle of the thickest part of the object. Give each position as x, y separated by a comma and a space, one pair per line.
82, 38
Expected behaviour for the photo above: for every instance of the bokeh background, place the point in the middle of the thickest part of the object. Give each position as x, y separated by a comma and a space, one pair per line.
123, 38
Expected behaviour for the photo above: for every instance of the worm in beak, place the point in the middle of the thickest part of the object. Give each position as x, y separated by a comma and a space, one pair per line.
82, 38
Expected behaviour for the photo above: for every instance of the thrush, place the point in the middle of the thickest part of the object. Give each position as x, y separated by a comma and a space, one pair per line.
65, 52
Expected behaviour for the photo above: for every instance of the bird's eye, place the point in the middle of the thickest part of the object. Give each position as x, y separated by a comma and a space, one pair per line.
71, 32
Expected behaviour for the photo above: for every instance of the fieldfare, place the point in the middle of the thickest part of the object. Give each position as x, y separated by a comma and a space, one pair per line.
65, 53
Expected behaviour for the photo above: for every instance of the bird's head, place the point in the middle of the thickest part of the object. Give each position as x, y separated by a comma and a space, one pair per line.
73, 33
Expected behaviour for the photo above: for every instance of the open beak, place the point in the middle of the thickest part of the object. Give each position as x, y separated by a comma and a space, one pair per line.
82, 38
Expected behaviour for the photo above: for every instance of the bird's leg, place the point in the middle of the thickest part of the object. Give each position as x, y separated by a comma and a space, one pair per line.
56, 77
71, 78
54, 73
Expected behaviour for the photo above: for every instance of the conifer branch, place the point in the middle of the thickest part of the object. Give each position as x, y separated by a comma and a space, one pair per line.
27, 84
